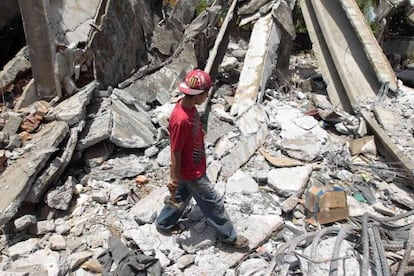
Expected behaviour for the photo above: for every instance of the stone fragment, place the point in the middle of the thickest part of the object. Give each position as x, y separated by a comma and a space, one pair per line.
18, 65
73, 109
60, 197
98, 153
241, 182
151, 151
252, 120
42, 262
387, 118
75, 260
57, 242
321, 101
45, 226
24, 222
185, 260
164, 157
119, 168
289, 204
98, 123
216, 128
12, 123
62, 229
101, 197
23, 248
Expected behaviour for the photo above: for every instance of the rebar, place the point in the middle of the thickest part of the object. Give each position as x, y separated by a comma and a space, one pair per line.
333, 270
407, 253
374, 250
381, 252
365, 245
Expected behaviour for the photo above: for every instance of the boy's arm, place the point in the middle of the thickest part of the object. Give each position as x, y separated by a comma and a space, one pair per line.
175, 172
175, 167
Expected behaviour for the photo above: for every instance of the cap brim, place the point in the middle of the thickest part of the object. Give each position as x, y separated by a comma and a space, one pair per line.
187, 90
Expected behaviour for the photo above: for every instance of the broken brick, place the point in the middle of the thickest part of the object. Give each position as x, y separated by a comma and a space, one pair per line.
141, 180
42, 107
31, 122
25, 136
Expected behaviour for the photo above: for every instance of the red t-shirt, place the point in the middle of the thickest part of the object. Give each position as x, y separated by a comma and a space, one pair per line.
187, 136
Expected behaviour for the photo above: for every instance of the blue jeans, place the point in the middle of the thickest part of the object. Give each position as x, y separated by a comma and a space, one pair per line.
210, 203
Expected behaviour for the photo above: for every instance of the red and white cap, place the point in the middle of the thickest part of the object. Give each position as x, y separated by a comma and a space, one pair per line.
196, 82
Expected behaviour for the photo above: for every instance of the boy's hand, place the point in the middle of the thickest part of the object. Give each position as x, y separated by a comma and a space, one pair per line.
172, 186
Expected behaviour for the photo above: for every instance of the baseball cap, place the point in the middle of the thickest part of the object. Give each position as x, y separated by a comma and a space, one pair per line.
196, 82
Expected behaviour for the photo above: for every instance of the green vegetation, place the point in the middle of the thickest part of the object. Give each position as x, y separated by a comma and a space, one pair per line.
365, 6
298, 20
202, 5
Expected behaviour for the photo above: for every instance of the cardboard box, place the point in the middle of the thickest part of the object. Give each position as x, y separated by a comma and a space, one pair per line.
327, 204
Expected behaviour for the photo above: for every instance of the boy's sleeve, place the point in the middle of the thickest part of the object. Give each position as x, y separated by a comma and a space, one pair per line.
178, 136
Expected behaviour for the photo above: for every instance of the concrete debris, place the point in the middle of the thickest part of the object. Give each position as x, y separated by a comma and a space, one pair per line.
293, 179
20, 64
83, 172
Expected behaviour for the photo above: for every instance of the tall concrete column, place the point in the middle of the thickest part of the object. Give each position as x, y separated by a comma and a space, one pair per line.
40, 40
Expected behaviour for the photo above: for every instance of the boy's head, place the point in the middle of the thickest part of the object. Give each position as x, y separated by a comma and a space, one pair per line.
196, 82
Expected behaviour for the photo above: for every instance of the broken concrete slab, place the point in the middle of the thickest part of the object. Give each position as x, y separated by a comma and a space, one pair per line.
131, 128
55, 169
241, 182
152, 203
387, 118
257, 228
98, 124
289, 181
73, 109
306, 148
99, 153
251, 121
28, 96
242, 151
216, 128
18, 65
72, 20
120, 167
256, 67
120, 39
282, 13
18, 177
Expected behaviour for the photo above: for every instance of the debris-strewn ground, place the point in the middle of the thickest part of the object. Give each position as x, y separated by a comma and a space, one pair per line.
301, 179
268, 192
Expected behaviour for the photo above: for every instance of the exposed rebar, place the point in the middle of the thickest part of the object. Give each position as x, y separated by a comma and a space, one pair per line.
407, 253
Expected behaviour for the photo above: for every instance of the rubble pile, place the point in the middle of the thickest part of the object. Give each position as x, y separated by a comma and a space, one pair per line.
85, 176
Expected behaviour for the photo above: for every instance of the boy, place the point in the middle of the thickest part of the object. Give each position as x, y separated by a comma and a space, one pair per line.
188, 164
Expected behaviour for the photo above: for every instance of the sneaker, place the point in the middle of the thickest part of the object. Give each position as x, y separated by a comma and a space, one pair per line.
175, 230
239, 242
